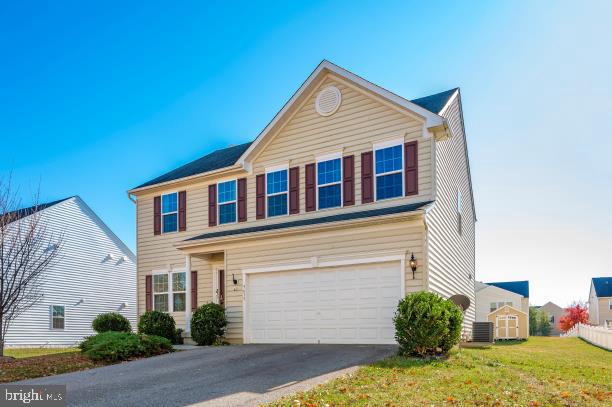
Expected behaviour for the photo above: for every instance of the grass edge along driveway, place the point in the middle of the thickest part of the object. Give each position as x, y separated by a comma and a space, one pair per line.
542, 371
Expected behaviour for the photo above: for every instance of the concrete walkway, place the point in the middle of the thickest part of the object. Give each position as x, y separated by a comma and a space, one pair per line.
245, 375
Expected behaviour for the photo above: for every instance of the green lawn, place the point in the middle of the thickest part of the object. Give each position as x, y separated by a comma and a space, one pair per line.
538, 372
20, 353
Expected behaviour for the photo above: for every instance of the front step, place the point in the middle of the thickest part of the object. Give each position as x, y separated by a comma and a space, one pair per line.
187, 339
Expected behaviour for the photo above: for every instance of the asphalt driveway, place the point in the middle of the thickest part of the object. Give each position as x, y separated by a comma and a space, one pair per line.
225, 376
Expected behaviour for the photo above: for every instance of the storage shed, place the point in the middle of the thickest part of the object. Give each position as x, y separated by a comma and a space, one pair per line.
509, 323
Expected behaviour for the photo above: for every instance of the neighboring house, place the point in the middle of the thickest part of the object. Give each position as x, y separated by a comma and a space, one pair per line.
306, 234
514, 296
554, 313
600, 301
93, 273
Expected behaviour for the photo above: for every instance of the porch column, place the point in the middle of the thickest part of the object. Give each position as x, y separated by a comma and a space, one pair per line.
187, 293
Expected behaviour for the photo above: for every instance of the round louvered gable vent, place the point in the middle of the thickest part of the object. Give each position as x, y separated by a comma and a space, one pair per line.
328, 101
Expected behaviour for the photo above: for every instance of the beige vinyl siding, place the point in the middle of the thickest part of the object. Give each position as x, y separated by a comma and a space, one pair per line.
360, 121
345, 243
604, 311
452, 255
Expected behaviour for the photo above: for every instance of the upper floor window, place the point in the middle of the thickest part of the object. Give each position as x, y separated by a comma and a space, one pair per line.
276, 192
610, 304
552, 319
58, 316
226, 197
388, 168
169, 212
328, 183
160, 292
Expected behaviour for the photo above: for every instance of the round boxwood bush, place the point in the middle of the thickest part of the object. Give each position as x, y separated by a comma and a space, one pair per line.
426, 323
111, 321
157, 323
115, 346
208, 324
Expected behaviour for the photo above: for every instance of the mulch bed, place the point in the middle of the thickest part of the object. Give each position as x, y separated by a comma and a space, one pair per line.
47, 365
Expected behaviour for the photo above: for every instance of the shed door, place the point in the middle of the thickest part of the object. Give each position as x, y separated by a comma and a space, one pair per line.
507, 327
347, 304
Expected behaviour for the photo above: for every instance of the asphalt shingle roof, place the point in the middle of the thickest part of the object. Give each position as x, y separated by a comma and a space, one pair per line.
228, 156
517, 287
603, 286
23, 212
435, 103
210, 162
315, 221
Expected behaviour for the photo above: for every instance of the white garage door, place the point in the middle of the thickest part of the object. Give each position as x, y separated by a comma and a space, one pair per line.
348, 304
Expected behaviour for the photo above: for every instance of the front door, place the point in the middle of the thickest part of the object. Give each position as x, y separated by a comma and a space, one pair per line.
221, 289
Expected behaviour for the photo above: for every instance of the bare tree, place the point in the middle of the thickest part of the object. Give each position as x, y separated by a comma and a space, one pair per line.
27, 249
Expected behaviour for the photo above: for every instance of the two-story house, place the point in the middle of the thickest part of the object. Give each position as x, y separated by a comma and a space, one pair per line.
600, 301
349, 199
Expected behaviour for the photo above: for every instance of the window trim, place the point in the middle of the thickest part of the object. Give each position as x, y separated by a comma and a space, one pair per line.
63, 317
171, 289
381, 146
609, 304
153, 293
235, 201
270, 170
161, 211
322, 159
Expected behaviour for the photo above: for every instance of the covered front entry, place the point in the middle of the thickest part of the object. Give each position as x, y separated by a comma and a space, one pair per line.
340, 304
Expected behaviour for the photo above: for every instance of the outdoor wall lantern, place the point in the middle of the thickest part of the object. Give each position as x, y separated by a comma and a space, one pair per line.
413, 265
234, 280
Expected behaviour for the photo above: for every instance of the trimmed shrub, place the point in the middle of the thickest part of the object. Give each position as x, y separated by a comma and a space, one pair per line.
208, 324
426, 323
158, 324
116, 346
111, 321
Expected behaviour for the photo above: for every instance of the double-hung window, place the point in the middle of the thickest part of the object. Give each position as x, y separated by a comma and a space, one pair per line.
58, 316
329, 184
160, 292
179, 286
276, 192
169, 212
389, 163
226, 194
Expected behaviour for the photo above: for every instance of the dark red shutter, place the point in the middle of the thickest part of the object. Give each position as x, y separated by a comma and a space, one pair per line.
294, 190
311, 203
260, 196
242, 200
194, 290
149, 293
157, 215
212, 205
182, 211
412, 176
367, 177
348, 180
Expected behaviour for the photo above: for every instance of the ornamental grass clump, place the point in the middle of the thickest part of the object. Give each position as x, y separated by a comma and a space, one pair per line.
427, 324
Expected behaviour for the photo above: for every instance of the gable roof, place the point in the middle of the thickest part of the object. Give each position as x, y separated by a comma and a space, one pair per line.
210, 162
603, 286
315, 221
435, 103
507, 307
427, 107
517, 287
23, 212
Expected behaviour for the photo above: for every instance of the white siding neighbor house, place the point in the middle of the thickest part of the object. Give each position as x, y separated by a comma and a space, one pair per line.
600, 301
513, 297
93, 273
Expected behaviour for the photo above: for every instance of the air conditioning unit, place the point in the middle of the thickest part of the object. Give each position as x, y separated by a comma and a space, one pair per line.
482, 332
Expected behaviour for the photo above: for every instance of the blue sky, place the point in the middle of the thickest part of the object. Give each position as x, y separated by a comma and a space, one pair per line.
97, 98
